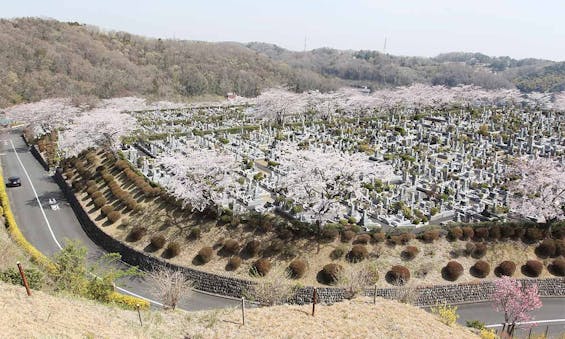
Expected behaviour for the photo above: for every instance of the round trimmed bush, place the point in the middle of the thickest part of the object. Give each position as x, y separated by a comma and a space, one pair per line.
297, 268
469, 248
252, 248
131, 203
358, 253
205, 255
557, 267
233, 263
173, 249
452, 271
195, 233
91, 189
329, 233
430, 236
406, 237
379, 237
532, 234
495, 233
546, 249
157, 241
106, 209
137, 233
506, 268
481, 234
532, 268
480, 269
468, 233
261, 267
100, 201
114, 216
363, 239
455, 233
347, 236
479, 251
231, 247
398, 275
338, 252
96, 195
329, 274
409, 252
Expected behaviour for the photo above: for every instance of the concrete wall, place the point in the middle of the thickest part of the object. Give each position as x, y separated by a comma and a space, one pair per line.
229, 286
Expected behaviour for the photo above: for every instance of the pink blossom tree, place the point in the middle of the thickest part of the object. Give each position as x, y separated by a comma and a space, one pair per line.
323, 179
538, 189
201, 178
515, 301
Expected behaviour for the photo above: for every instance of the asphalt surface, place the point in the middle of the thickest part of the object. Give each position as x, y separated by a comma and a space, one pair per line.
63, 222
553, 308
65, 225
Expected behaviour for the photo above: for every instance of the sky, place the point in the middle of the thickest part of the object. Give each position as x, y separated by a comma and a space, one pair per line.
517, 28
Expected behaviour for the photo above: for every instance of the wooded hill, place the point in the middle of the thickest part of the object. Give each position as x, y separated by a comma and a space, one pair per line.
41, 58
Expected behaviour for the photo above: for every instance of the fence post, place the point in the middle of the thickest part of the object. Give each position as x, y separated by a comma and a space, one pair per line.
243, 309
314, 296
375, 295
139, 314
24, 279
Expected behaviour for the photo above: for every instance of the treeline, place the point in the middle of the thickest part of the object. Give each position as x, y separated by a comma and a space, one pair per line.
46, 58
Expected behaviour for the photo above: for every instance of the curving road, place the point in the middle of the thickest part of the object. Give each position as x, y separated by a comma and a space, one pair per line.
46, 230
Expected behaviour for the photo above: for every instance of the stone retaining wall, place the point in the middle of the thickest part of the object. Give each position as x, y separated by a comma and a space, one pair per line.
233, 287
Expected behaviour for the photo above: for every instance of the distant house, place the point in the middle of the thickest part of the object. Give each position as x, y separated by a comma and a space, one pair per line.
231, 96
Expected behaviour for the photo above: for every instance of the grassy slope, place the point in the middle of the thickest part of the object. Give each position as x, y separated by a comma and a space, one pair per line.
44, 315
425, 268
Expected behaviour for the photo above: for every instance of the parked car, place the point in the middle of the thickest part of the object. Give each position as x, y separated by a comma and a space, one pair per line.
14, 182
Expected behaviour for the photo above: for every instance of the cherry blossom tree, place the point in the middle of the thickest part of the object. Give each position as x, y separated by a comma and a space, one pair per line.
515, 301
538, 189
276, 103
322, 179
201, 178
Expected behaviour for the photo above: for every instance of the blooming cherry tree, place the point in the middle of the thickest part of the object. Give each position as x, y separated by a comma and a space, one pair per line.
539, 189
515, 301
201, 178
322, 179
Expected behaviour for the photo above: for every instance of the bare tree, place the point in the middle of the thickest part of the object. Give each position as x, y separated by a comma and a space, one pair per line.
406, 293
355, 278
171, 285
275, 288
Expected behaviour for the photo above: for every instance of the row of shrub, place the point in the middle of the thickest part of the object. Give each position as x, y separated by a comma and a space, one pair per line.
124, 196
137, 180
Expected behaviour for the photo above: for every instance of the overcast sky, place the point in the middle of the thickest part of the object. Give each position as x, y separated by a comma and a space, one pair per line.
517, 28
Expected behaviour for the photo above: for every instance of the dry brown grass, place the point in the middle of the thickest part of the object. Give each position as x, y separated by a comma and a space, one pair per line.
43, 315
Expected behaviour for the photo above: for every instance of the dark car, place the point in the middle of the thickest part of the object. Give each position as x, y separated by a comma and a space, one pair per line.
14, 182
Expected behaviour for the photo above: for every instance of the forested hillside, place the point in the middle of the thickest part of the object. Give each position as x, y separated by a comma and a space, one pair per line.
42, 58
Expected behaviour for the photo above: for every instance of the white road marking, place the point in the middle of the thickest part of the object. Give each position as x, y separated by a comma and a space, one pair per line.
36, 197
531, 322
53, 234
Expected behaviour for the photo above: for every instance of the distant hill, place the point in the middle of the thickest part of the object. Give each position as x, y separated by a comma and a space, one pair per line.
42, 58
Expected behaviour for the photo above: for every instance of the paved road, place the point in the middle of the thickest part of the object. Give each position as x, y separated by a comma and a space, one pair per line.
553, 308
47, 229
64, 224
